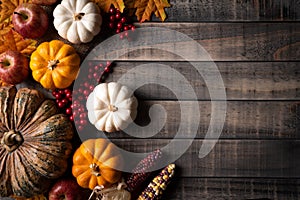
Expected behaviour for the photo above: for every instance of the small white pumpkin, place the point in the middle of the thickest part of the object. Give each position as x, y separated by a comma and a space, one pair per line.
111, 107
78, 21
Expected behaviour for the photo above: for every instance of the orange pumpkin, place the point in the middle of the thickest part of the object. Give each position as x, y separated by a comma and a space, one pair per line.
54, 64
95, 163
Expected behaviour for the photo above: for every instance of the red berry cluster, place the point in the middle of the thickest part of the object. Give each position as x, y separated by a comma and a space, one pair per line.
119, 23
64, 101
84, 89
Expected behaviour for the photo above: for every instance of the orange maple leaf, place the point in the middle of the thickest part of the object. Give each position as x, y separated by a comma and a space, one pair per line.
11, 40
106, 4
7, 8
145, 8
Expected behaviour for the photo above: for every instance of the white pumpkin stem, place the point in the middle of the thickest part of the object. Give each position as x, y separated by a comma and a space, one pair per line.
112, 108
78, 16
52, 64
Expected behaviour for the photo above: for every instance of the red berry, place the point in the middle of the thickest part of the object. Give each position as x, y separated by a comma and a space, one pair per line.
71, 118
108, 63
132, 28
96, 68
60, 104
68, 111
80, 128
119, 25
107, 70
86, 84
82, 116
64, 101
61, 91
126, 28
95, 75
112, 18
118, 15
91, 87
86, 92
111, 25
58, 96
123, 20
80, 90
54, 93
68, 95
91, 70
112, 10
118, 31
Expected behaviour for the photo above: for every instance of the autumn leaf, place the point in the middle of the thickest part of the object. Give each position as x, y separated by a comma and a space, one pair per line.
5, 27
12, 40
106, 4
7, 8
145, 8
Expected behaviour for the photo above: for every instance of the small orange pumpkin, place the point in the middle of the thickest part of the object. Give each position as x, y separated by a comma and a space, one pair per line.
54, 64
95, 163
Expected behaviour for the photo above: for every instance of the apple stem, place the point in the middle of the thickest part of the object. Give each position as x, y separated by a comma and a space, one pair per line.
22, 15
5, 63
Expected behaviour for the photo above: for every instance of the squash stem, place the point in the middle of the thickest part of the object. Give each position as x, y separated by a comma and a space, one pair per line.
52, 64
112, 108
78, 16
11, 140
95, 169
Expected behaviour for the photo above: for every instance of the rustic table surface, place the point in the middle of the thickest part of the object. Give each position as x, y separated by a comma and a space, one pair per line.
256, 46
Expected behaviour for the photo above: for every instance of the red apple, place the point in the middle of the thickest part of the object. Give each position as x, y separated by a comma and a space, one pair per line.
30, 20
66, 189
44, 2
13, 67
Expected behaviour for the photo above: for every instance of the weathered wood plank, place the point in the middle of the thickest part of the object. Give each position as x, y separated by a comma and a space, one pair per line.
233, 188
232, 10
229, 158
242, 80
222, 41
244, 120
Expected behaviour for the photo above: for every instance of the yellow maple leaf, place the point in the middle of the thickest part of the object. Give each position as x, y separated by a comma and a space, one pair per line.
145, 8
12, 40
106, 4
7, 8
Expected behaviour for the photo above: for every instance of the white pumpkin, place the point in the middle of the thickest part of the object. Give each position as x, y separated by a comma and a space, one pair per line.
111, 107
78, 21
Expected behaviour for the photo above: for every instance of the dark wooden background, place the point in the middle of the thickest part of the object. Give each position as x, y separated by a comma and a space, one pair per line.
256, 46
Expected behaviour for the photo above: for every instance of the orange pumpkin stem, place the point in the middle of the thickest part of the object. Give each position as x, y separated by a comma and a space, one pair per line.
95, 169
12, 140
52, 64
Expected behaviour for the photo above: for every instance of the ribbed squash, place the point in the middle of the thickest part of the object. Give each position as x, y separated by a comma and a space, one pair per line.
54, 64
35, 142
95, 163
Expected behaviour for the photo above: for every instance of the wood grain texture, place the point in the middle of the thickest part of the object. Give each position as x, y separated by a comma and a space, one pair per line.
222, 41
244, 120
233, 188
232, 10
242, 80
229, 158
